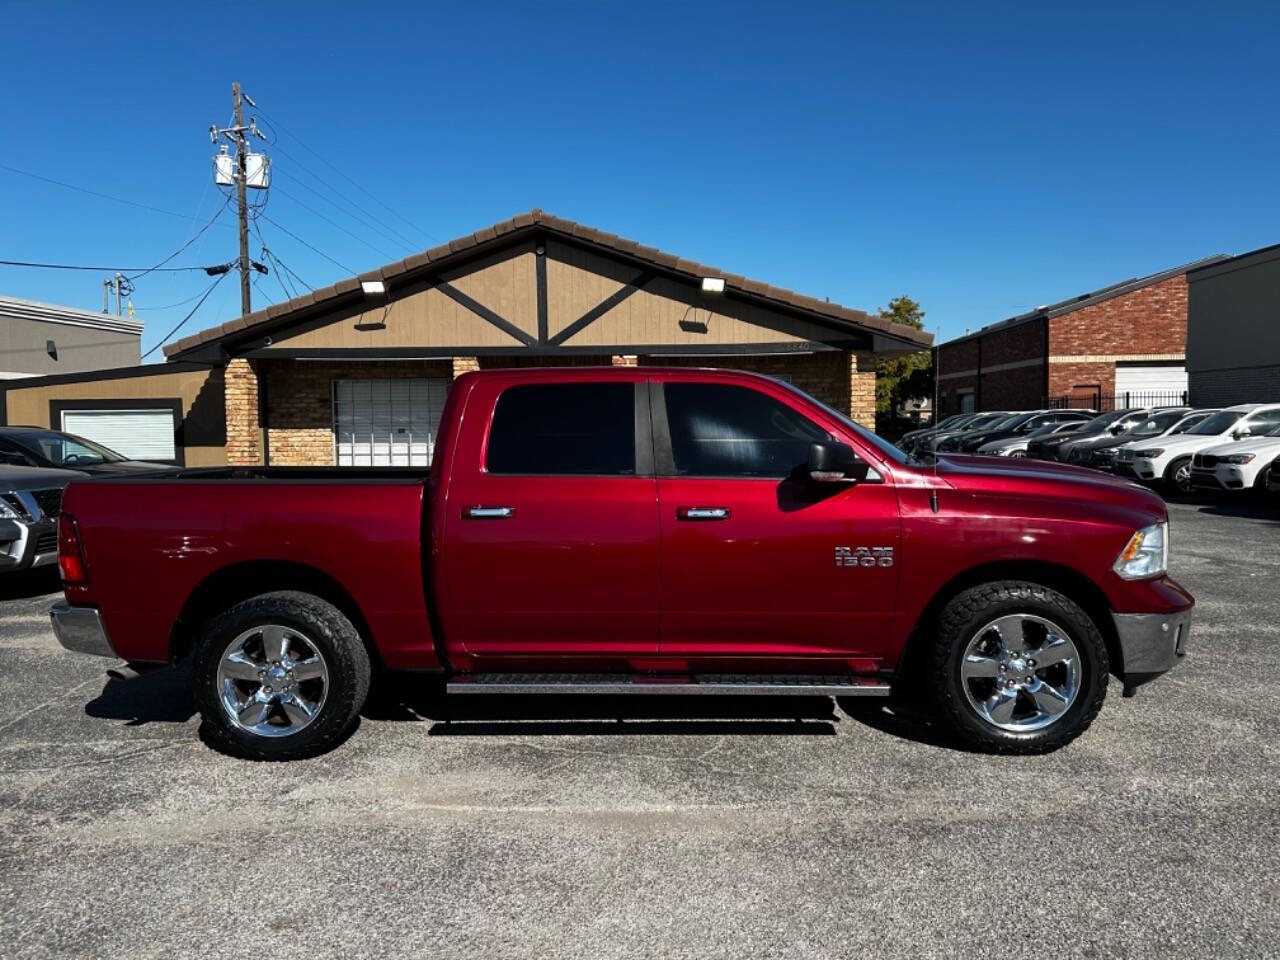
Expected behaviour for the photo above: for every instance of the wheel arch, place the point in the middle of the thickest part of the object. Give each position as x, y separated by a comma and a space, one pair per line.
1066, 580
240, 581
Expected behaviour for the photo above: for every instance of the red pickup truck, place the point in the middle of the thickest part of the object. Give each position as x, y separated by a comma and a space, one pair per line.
631, 530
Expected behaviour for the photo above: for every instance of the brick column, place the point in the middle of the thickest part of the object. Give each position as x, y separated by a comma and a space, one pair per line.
463, 365
862, 387
244, 432
625, 360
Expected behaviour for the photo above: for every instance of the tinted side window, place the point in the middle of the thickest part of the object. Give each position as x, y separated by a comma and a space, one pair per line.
718, 430
1261, 423
564, 428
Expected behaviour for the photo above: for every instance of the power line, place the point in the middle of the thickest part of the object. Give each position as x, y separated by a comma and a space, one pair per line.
387, 231
326, 162
354, 236
308, 246
167, 306
181, 322
68, 266
94, 193
194, 237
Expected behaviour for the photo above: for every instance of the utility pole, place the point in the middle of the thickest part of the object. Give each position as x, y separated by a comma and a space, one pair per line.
242, 199
234, 171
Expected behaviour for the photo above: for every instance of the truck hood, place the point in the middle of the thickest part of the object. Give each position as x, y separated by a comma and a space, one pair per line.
1036, 478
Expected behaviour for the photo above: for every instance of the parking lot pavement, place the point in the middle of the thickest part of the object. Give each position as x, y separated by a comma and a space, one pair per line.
765, 828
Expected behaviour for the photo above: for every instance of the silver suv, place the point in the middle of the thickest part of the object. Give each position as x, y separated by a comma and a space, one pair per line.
30, 501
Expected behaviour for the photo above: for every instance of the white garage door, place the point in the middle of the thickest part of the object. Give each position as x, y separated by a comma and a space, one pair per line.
136, 434
387, 423
1150, 384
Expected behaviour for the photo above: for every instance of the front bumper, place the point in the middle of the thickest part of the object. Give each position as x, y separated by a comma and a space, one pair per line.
1151, 643
1206, 478
81, 630
24, 545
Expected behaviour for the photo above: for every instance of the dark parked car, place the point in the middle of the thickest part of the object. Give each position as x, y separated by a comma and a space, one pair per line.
42, 447
1101, 450
1117, 421
943, 441
30, 501
1022, 424
909, 441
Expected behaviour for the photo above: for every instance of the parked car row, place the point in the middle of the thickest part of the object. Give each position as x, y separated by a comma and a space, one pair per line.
1177, 448
1003, 433
36, 464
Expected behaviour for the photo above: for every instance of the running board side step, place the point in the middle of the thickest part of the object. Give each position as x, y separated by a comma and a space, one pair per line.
772, 685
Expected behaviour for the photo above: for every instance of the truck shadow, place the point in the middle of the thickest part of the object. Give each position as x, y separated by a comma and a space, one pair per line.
395, 699
30, 584
163, 696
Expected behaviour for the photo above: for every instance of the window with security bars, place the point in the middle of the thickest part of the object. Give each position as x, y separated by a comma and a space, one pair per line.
387, 423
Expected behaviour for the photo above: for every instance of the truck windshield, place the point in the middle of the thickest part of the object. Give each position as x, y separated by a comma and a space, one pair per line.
62, 449
887, 449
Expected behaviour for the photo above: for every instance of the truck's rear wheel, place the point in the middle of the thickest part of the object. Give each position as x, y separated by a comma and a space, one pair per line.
1018, 667
280, 676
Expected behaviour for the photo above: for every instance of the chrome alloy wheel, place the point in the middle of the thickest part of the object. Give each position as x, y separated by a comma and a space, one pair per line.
272, 681
1182, 478
1020, 673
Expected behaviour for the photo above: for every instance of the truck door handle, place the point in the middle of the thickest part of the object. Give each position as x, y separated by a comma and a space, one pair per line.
487, 513
702, 513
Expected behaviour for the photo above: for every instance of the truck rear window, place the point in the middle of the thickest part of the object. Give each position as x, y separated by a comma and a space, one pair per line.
564, 429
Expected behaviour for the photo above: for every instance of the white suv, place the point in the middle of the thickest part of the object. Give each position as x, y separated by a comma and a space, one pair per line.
1236, 466
1167, 460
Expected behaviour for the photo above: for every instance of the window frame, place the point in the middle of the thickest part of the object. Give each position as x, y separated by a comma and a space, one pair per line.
664, 454
641, 426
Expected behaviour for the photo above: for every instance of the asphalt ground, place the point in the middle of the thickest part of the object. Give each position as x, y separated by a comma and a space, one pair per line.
657, 827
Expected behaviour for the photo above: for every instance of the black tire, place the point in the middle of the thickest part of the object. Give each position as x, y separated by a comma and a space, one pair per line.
328, 630
965, 616
1171, 481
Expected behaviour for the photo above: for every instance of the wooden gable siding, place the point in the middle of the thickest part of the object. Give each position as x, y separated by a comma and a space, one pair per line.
424, 316
664, 312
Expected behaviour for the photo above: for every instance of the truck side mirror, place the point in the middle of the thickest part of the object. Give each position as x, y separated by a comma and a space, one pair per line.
12, 459
833, 462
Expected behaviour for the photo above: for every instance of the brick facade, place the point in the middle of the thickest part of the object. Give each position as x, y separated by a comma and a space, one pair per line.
244, 432
1009, 369
300, 402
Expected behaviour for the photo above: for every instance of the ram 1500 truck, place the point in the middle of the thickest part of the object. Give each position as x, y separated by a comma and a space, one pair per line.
631, 530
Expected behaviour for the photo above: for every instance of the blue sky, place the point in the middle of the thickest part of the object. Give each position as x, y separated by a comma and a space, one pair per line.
982, 161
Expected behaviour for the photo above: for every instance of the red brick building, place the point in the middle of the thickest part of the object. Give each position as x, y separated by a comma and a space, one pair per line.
1123, 345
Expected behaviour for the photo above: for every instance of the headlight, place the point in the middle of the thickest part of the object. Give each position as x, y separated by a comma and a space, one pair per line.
1238, 458
7, 512
1146, 555
1149, 454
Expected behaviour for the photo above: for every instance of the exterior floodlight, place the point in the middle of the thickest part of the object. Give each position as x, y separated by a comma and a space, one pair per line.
372, 287
713, 284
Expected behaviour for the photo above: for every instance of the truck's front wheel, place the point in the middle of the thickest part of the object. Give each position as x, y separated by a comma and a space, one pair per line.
280, 676
1018, 667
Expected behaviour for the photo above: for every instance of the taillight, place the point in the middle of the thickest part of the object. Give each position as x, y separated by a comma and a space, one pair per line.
70, 551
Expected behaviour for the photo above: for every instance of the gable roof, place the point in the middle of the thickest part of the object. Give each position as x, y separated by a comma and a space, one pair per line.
1072, 304
538, 222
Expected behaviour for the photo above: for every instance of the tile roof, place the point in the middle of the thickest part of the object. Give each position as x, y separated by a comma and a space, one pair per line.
539, 219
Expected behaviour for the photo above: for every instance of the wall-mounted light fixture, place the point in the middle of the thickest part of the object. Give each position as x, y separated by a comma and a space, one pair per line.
713, 284
372, 288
